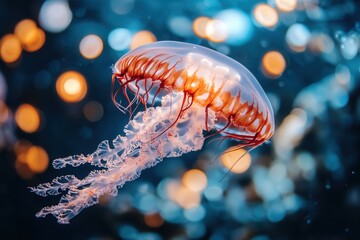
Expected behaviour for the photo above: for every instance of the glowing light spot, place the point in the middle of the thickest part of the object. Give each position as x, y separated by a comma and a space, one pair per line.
27, 118
55, 16
23, 28
286, 5
153, 220
273, 64
266, 15
91, 46
199, 26
180, 26
195, 180
119, 39
321, 43
216, 31
183, 196
141, 38
297, 37
71, 86
237, 156
349, 48
31, 37
290, 132
10, 48
195, 214
238, 25
37, 159
93, 111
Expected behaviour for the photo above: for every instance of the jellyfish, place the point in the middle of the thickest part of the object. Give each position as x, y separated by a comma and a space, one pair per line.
187, 93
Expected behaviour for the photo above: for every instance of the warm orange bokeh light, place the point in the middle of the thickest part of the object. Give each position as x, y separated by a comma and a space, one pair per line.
31, 37
286, 5
91, 46
23, 28
35, 40
153, 220
237, 160
216, 31
27, 118
10, 48
199, 26
71, 86
37, 159
183, 196
195, 180
273, 64
141, 38
266, 15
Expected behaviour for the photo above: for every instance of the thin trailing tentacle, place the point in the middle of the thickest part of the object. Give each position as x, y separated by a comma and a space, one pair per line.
237, 160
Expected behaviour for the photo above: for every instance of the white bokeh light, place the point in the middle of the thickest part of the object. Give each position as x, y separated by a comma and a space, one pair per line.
55, 15
119, 39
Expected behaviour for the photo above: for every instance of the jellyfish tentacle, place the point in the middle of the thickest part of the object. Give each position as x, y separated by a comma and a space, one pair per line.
114, 95
136, 155
56, 186
180, 112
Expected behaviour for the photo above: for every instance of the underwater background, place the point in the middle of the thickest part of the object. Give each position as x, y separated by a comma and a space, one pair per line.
56, 60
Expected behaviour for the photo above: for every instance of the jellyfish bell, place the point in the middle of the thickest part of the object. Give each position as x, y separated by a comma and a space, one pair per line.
212, 80
199, 90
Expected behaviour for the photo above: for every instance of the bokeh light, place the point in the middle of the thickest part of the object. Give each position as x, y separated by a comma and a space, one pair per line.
180, 26
239, 28
93, 111
91, 46
183, 196
216, 31
119, 39
27, 118
290, 132
31, 37
236, 159
195, 180
199, 26
71, 86
141, 38
153, 220
286, 5
10, 48
37, 159
321, 43
273, 64
297, 37
266, 15
55, 15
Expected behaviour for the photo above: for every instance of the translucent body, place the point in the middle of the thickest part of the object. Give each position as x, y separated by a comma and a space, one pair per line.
209, 78
199, 89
